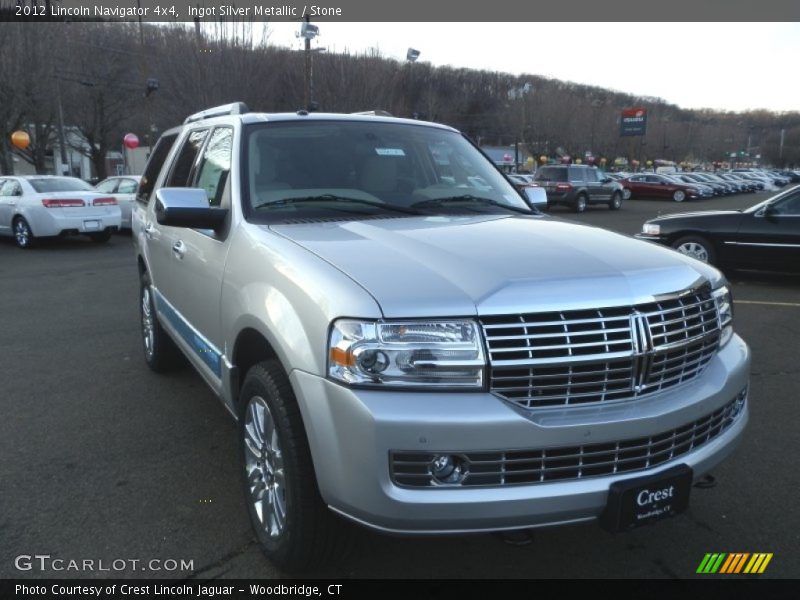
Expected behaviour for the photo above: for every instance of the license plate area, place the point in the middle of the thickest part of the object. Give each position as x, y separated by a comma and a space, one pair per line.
643, 500
91, 225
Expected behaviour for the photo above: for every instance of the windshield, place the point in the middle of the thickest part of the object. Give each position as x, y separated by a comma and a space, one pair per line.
309, 169
59, 184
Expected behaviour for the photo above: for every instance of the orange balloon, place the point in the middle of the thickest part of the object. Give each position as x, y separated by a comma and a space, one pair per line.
20, 139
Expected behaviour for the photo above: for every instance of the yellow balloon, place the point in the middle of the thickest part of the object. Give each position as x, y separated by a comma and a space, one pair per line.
578, 161
20, 140
649, 163
543, 158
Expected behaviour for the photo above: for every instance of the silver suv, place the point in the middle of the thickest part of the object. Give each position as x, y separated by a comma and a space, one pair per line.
409, 345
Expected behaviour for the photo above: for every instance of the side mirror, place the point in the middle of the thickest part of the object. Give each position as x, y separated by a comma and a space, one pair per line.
769, 210
536, 196
187, 207
606, 180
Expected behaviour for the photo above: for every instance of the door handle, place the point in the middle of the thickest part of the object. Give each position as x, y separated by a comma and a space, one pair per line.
179, 249
149, 230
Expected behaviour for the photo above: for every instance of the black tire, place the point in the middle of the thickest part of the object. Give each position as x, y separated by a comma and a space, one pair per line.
581, 202
310, 535
697, 247
679, 195
160, 352
23, 234
101, 237
616, 201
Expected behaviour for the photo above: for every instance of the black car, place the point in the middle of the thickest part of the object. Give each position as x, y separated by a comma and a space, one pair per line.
763, 237
578, 186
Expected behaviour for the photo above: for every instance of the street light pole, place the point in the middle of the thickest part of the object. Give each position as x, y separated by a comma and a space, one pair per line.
307, 87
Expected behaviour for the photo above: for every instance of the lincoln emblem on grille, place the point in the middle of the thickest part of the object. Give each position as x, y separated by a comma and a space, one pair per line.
642, 349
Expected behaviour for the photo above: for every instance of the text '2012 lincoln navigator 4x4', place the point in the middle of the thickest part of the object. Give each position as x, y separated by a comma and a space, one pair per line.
408, 344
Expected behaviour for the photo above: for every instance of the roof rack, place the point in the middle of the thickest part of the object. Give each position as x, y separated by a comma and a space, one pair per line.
236, 108
374, 113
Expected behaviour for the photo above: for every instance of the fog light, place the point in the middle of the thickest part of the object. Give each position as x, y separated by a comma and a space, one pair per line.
448, 469
738, 405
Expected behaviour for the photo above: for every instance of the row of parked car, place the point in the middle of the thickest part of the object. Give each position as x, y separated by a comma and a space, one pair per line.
578, 186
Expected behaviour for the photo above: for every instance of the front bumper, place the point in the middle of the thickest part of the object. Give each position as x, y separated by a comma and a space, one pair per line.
352, 432
651, 238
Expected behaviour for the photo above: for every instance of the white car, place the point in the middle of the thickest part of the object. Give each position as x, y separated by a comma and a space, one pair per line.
40, 206
124, 189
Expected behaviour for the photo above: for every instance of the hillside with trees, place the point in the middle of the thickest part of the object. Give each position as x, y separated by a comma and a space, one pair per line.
99, 72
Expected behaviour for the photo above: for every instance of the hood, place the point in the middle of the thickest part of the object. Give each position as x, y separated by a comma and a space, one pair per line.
460, 266
693, 214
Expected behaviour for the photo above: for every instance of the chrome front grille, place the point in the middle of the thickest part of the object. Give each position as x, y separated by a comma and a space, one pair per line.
588, 356
525, 467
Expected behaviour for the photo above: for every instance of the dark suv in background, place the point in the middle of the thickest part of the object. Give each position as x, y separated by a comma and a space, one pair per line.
577, 186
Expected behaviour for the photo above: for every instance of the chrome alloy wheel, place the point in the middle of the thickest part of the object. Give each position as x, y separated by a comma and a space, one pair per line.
148, 331
694, 250
22, 233
264, 467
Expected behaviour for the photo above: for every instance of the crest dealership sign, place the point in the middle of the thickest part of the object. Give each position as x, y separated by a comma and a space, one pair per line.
633, 121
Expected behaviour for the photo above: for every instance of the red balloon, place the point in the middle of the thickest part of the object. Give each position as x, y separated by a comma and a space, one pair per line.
131, 141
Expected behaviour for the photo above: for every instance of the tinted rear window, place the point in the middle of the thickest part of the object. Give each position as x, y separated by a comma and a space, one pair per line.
60, 184
551, 174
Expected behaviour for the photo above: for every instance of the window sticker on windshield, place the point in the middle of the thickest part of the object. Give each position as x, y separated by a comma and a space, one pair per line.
390, 151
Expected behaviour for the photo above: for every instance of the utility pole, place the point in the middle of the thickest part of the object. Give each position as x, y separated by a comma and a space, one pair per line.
780, 149
61, 138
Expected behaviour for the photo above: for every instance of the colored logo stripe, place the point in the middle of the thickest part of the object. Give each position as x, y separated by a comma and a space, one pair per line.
733, 563
758, 563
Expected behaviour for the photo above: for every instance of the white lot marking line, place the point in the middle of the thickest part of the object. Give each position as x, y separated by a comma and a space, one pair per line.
792, 304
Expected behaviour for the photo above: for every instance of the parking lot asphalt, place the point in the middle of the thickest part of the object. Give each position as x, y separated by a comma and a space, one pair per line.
102, 459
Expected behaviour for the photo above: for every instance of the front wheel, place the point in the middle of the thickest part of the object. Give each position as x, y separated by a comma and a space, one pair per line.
295, 528
23, 236
616, 201
696, 247
679, 195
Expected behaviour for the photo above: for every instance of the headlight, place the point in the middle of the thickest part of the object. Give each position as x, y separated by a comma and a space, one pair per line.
406, 353
651, 229
724, 300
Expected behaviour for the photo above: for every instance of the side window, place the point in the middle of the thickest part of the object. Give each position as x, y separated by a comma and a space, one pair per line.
591, 175
108, 186
575, 174
182, 169
216, 165
127, 186
788, 206
11, 188
154, 165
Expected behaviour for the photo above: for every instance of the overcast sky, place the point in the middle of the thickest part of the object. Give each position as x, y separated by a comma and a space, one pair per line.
730, 66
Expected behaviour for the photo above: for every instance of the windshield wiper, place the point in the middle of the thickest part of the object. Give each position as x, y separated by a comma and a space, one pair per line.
333, 198
468, 198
